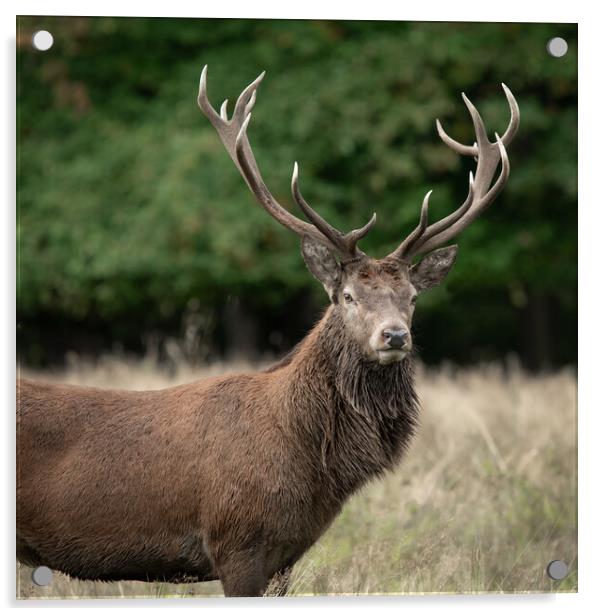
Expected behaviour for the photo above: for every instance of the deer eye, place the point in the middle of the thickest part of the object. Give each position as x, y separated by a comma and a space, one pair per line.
413, 300
347, 297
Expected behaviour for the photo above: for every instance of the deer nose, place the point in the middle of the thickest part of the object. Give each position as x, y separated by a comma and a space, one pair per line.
395, 338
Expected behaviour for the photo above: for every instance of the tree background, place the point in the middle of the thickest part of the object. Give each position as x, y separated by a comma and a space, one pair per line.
135, 229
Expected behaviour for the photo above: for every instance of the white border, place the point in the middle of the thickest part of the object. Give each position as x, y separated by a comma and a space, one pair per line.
460, 10
590, 413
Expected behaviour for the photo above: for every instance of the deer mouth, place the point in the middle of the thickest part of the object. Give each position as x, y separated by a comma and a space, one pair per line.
389, 356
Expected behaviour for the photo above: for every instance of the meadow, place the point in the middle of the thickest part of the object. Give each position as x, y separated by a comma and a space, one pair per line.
483, 501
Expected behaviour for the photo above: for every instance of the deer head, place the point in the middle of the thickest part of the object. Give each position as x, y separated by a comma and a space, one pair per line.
375, 297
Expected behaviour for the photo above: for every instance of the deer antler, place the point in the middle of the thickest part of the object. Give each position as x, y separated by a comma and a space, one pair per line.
233, 134
480, 192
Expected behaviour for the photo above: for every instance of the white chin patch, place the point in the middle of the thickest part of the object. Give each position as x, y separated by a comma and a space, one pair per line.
388, 357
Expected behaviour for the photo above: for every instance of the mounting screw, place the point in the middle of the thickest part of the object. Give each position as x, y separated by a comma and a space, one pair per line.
42, 40
557, 47
42, 576
557, 570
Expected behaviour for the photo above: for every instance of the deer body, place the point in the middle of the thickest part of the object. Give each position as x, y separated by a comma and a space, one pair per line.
189, 482
235, 477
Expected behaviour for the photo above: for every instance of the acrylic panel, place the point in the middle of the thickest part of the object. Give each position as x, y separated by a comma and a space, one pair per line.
234, 379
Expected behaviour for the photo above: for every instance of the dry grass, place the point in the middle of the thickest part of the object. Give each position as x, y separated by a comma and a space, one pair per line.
485, 499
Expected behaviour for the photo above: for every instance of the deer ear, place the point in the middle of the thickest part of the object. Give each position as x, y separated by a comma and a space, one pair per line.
321, 264
429, 272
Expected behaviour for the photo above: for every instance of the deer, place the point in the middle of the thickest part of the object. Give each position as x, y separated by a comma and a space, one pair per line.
235, 477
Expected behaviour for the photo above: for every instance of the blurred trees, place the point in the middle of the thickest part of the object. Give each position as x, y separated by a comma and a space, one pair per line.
133, 221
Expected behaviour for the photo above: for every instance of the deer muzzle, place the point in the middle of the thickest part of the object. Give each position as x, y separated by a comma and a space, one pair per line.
392, 343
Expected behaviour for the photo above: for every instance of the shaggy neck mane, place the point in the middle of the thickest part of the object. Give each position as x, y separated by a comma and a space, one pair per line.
359, 414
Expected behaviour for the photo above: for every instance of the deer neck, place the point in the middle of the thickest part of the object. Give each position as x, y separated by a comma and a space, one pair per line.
361, 414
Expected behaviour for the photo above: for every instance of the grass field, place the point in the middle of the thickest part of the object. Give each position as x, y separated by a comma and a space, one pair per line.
485, 499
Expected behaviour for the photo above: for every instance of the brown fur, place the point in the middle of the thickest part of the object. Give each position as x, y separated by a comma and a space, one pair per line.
231, 477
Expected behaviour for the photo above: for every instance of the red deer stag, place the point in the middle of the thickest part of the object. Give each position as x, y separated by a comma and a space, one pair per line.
235, 477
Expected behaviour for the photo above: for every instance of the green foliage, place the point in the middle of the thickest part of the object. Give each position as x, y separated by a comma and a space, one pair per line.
128, 205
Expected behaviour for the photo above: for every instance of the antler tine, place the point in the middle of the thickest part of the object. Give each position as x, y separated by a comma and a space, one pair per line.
454, 216
346, 243
315, 218
233, 134
465, 150
203, 100
512, 129
223, 112
405, 247
249, 106
247, 98
480, 192
479, 127
353, 237
481, 133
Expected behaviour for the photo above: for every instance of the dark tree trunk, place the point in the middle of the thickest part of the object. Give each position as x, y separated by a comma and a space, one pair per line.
537, 335
240, 331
